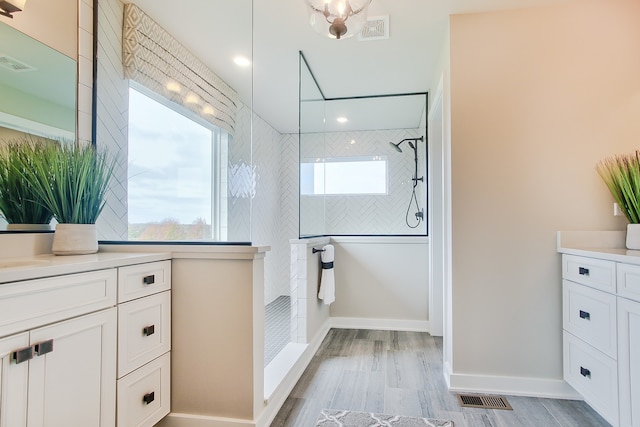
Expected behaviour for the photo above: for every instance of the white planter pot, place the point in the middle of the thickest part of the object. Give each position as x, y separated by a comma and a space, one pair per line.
633, 236
75, 239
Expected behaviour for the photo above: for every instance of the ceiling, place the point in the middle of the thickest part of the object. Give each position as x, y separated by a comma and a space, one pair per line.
217, 30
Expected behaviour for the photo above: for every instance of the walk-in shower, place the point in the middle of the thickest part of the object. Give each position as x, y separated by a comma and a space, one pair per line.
419, 213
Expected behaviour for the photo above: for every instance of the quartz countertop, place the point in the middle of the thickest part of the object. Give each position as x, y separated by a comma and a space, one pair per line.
39, 266
607, 245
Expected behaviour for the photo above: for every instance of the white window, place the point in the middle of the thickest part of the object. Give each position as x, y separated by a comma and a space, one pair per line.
344, 175
174, 185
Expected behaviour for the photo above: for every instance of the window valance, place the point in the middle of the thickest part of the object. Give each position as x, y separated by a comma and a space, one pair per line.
153, 58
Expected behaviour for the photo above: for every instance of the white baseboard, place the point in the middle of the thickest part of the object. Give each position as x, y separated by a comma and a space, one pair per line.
189, 420
514, 386
380, 324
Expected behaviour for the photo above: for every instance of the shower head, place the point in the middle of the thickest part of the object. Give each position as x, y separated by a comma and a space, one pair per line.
408, 140
396, 146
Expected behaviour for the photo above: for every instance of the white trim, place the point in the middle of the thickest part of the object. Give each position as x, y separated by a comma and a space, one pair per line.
280, 394
514, 386
189, 420
382, 240
276, 371
34, 128
380, 324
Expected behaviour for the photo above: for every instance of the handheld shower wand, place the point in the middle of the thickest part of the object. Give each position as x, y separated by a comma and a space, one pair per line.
414, 146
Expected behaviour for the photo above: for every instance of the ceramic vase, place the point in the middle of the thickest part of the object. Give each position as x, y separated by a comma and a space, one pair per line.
75, 239
633, 236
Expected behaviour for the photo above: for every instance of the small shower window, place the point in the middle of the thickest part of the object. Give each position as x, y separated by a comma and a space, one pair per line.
365, 175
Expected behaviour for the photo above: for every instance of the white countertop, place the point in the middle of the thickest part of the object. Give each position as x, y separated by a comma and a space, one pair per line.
607, 245
39, 266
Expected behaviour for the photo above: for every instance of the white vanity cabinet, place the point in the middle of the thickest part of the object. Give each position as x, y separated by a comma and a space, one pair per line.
601, 337
57, 363
88, 348
144, 343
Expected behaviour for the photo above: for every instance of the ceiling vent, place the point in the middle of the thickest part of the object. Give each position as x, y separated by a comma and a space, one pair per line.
13, 64
376, 28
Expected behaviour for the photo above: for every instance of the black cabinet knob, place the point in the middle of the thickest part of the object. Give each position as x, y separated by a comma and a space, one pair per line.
22, 355
44, 347
585, 315
149, 330
583, 271
585, 372
149, 280
149, 397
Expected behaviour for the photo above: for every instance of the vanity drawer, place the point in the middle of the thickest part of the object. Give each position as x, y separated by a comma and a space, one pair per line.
590, 315
144, 331
629, 281
136, 281
597, 273
33, 303
593, 375
143, 395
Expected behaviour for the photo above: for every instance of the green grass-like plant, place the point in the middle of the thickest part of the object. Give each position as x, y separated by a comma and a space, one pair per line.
19, 202
72, 181
621, 174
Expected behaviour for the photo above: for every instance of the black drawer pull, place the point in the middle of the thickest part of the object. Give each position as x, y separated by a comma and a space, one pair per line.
149, 330
583, 271
585, 372
149, 280
44, 347
585, 315
149, 397
22, 355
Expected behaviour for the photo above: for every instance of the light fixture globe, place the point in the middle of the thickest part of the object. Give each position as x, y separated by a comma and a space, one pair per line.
338, 19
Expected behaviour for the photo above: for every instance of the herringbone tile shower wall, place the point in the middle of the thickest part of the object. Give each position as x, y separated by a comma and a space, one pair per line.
366, 214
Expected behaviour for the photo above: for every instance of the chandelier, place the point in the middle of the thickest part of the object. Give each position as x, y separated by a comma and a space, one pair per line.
338, 19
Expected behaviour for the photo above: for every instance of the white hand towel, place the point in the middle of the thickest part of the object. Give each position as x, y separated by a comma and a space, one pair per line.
327, 291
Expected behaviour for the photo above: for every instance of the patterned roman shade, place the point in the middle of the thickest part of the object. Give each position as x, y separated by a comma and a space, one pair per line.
153, 58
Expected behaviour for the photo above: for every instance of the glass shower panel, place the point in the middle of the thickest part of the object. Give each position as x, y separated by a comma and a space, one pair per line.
312, 154
364, 169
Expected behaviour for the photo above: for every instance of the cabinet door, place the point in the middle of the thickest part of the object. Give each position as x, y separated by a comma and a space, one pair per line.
628, 357
72, 381
13, 382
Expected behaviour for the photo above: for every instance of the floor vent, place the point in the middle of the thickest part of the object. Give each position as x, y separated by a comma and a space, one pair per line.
483, 401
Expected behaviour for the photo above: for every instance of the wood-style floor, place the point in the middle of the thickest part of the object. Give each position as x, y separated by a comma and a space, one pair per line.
400, 373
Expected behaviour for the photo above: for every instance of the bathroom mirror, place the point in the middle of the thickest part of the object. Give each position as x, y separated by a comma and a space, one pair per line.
37, 88
362, 163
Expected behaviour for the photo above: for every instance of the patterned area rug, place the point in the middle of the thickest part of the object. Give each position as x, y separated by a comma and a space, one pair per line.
332, 418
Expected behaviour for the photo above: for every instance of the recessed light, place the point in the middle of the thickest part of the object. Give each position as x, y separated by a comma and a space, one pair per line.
241, 61
342, 120
173, 87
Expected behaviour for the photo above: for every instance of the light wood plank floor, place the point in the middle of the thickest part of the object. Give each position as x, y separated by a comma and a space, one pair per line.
401, 373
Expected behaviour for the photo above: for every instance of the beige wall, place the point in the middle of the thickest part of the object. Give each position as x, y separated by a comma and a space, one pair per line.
538, 97
381, 278
54, 23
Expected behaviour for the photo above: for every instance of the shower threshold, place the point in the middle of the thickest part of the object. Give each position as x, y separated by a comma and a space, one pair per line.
276, 371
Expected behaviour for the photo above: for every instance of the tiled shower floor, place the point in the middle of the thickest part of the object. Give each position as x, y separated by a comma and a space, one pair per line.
277, 327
